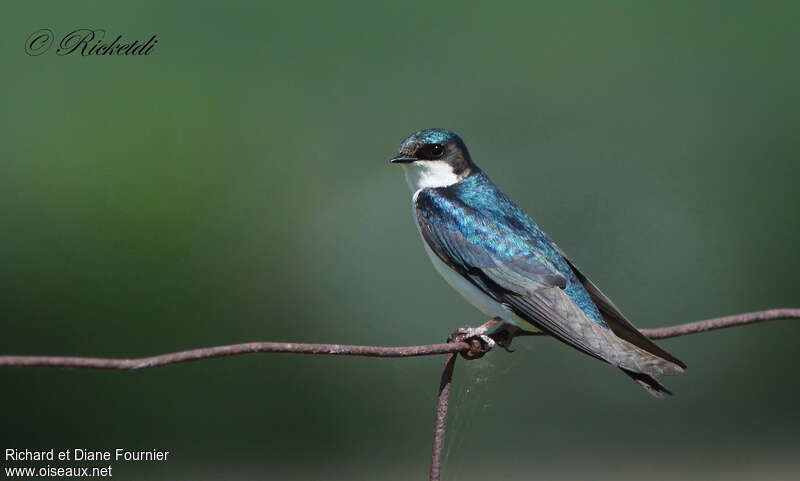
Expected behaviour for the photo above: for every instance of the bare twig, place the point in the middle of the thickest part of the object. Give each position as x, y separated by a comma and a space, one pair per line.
470, 349
348, 350
440, 423
721, 323
231, 350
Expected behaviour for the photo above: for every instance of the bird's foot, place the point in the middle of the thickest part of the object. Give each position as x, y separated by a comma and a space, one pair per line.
505, 344
504, 334
480, 343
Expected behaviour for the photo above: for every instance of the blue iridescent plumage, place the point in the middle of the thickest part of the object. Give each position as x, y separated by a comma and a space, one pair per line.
489, 220
433, 136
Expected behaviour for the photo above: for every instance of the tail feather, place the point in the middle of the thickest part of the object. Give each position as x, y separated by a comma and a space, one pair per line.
649, 383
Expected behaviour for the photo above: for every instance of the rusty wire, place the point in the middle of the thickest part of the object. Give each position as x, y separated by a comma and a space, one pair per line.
469, 349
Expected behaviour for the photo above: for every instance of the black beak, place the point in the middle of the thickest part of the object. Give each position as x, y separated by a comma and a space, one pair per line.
402, 159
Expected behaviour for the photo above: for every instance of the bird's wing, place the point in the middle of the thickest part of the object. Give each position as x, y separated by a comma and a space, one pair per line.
507, 268
616, 320
553, 311
500, 265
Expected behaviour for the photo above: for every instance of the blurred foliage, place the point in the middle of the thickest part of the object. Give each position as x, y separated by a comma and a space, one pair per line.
234, 186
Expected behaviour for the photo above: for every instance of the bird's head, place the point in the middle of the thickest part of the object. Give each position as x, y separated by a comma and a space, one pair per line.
433, 158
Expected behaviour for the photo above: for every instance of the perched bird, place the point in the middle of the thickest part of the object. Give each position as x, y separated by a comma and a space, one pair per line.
499, 259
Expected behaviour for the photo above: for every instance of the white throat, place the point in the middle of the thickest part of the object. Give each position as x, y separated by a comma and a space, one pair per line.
424, 174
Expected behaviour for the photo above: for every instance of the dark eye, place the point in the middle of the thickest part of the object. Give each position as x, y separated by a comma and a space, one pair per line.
432, 151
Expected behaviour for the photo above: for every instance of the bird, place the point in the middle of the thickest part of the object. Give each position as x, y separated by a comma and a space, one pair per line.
497, 257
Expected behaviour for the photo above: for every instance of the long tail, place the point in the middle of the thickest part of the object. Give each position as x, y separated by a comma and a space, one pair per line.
649, 383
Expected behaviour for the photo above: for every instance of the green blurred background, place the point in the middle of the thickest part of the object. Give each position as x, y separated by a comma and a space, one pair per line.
234, 186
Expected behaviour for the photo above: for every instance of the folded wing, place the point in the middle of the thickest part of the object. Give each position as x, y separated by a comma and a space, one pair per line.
505, 266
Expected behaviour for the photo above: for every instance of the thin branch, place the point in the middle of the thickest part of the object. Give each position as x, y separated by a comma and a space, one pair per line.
440, 423
231, 350
471, 348
721, 323
348, 350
